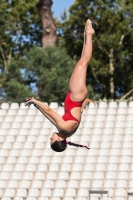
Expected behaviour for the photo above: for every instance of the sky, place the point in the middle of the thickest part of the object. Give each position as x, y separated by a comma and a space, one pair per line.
59, 6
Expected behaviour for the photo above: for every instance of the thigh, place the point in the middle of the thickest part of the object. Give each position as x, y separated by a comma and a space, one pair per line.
77, 85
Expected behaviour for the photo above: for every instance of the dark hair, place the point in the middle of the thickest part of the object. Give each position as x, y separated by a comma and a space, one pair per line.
60, 146
77, 145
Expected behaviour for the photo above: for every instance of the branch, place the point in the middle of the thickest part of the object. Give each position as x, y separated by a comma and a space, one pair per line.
103, 50
128, 93
3, 56
121, 39
10, 55
95, 76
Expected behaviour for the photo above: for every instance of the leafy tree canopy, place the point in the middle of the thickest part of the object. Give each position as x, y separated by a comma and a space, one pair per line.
20, 28
110, 70
15, 88
49, 71
111, 65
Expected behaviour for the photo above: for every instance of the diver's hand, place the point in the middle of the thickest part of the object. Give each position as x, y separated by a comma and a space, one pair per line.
30, 100
87, 101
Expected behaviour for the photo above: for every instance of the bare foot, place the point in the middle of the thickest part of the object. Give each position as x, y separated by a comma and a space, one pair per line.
88, 28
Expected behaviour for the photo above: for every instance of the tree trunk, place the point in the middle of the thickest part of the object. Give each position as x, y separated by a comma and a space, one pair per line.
111, 64
48, 23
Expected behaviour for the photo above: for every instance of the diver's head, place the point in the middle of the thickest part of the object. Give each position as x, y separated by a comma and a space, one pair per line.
58, 142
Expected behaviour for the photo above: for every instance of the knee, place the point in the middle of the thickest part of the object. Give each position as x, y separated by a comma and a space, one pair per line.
83, 61
84, 92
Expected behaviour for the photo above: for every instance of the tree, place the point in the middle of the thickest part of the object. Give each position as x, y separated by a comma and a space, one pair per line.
111, 65
20, 77
48, 23
15, 87
49, 70
20, 28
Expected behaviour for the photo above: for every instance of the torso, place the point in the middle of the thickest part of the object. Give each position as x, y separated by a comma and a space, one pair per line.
71, 107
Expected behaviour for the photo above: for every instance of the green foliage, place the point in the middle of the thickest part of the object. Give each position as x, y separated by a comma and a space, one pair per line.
20, 28
22, 73
113, 23
92, 94
46, 71
50, 71
14, 86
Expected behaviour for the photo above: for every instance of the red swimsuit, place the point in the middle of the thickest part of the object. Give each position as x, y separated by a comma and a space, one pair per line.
69, 105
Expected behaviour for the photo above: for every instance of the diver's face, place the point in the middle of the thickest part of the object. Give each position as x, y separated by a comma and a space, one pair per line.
54, 138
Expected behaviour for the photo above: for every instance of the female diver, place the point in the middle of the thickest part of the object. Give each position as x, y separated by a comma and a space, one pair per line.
75, 99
